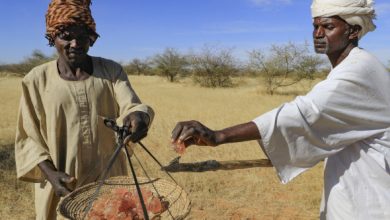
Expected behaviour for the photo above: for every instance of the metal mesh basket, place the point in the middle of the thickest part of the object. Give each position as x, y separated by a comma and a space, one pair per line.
74, 205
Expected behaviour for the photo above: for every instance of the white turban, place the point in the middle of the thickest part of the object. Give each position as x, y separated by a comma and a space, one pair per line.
354, 12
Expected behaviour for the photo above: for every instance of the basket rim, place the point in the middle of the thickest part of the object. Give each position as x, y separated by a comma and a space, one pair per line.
182, 199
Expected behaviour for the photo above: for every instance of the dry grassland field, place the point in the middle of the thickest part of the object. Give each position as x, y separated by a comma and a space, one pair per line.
254, 193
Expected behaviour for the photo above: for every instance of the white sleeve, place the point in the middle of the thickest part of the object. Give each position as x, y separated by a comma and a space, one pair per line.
336, 113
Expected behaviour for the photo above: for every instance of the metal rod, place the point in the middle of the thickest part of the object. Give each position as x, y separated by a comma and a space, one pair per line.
137, 186
105, 174
146, 174
155, 189
158, 162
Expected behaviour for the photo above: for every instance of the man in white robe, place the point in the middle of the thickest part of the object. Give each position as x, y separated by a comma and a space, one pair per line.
344, 119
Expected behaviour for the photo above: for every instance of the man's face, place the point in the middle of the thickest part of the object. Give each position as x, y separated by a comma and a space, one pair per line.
72, 44
330, 35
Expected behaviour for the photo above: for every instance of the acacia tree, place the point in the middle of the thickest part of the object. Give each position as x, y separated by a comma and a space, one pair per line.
170, 64
36, 58
213, 67
138, 67
284, 65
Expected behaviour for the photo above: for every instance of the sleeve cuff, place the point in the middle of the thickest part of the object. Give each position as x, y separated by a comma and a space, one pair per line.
278, 156
142, 108
30, 172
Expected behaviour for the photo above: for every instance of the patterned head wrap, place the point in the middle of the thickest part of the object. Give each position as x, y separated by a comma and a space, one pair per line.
354, 12
62, 13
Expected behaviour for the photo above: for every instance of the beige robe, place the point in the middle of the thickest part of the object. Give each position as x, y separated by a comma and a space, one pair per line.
62, 121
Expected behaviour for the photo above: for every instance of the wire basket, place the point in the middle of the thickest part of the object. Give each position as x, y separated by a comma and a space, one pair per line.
76, 203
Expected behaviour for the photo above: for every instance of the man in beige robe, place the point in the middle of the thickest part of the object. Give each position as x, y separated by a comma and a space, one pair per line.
61, 140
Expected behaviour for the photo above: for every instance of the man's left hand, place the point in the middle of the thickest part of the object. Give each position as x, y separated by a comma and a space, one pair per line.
137, 122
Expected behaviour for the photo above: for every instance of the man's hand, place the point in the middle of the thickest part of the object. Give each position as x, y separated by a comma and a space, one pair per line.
137, 122
57, 179
193, 132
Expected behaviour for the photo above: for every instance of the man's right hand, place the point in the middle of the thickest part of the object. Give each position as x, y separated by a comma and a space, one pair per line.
58, 179
194, 132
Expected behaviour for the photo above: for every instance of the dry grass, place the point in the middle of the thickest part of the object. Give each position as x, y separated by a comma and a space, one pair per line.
242, 194
16, 196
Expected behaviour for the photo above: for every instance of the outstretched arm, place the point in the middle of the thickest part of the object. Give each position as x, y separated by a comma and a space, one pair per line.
194, 132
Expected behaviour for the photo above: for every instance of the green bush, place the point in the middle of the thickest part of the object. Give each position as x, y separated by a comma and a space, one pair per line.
36, 58
139, 67
284, 65
170, 64
213, 67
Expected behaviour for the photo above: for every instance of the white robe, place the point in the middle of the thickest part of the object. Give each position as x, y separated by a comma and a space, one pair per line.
344, 119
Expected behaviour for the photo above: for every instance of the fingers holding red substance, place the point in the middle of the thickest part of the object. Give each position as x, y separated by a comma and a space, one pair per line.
180, 148
189, 133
